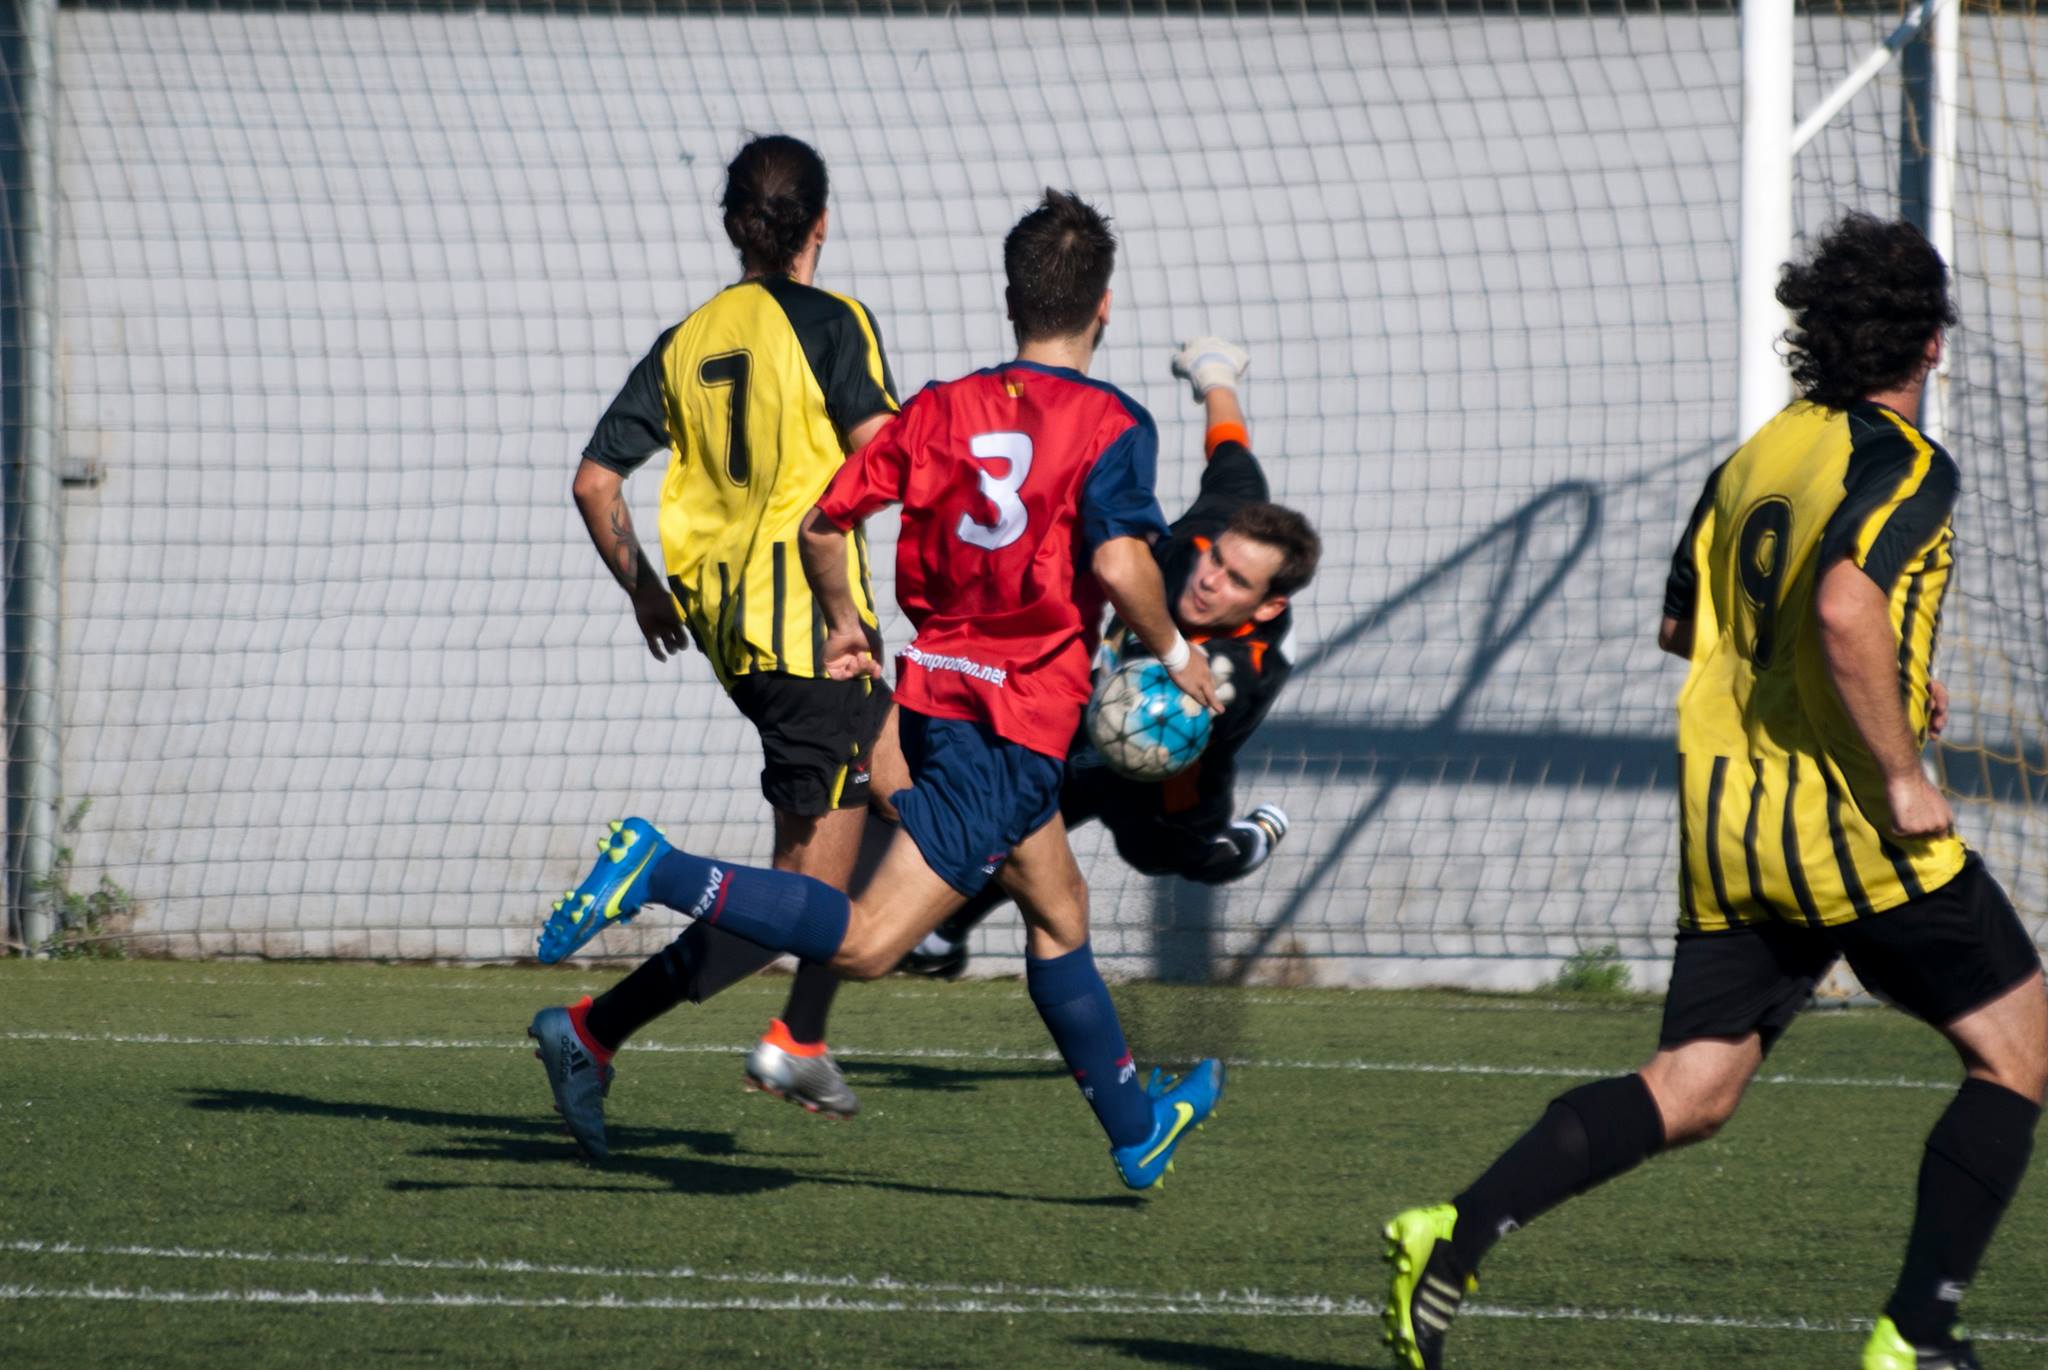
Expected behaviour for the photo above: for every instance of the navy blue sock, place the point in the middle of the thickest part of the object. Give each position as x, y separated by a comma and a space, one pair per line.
780, 910
1070, 996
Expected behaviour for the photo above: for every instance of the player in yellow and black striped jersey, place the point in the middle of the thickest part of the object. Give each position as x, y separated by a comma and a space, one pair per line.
757, 397
1783, 808
1806, 597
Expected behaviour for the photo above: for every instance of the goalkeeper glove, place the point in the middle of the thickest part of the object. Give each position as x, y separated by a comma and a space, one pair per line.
1206, 363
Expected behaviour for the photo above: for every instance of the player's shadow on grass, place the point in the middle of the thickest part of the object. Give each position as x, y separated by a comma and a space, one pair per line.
540, 1129
886, 1074
1160, 1352
497, 1139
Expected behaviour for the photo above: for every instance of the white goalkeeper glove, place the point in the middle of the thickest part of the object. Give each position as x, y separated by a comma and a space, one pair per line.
1220, 671
1206, 363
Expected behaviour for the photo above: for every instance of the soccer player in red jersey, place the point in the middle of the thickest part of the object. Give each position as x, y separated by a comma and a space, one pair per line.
1027, 503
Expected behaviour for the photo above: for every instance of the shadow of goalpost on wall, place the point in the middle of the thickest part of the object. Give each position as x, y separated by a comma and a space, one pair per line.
1186, 930
1187, 926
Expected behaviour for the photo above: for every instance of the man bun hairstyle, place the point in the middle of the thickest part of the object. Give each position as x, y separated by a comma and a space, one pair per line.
1863, 308
1058, 260
1282, 528
774, 192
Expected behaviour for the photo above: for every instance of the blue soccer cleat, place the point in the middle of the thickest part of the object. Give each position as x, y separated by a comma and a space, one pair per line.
612, 893
1178, 1107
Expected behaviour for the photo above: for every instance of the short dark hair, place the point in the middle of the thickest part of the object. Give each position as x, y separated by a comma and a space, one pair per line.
1058, 259
1281, 528
774, 192
1863, 308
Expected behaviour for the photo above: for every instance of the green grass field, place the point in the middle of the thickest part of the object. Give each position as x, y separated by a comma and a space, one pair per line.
286, 1165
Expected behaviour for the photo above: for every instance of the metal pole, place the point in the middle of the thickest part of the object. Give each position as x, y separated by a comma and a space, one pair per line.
34, 758
1936, 418
1764, 385
1902, 39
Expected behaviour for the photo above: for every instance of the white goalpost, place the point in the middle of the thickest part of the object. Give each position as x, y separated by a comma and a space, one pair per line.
1771, 140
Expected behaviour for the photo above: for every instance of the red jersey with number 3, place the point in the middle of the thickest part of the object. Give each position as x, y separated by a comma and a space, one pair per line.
1009, 479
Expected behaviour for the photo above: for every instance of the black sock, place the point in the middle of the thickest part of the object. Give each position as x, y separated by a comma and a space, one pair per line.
810, 1001
969, 915
719, 960
697, 965
1587, 1135
1975, 1159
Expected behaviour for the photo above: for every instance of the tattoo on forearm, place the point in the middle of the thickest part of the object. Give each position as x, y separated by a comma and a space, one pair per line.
623, 555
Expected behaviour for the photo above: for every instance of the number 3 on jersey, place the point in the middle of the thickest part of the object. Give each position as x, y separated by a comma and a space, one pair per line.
1011, 515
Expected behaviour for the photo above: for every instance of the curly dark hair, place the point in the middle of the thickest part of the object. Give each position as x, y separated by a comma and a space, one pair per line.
774, 192
1058, 260
1863, 308
1287, 532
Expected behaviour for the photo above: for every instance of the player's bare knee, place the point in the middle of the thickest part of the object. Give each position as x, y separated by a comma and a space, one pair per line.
2021, 1066
1710, 1113
863, 958
2005, 1042
1698, 1087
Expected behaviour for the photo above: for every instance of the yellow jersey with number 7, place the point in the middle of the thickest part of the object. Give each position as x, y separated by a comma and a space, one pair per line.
753, 396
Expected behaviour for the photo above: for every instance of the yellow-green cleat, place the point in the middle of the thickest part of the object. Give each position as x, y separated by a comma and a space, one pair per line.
1887, 1349
1426, 1286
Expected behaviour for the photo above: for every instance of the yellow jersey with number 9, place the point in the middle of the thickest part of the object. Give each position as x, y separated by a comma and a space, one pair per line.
753, 394
1782, 807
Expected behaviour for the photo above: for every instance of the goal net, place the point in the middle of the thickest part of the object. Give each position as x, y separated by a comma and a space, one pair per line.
344, 287
1992, 649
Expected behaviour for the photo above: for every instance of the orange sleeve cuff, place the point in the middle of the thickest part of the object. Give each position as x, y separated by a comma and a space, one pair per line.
1222, 433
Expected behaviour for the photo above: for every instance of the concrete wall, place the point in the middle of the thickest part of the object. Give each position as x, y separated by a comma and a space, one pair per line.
344, 294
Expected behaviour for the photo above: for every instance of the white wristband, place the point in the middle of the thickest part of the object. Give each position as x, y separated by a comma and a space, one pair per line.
1176, 656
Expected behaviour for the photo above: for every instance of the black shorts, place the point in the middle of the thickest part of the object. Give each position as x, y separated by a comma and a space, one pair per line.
817, 737
1952, 950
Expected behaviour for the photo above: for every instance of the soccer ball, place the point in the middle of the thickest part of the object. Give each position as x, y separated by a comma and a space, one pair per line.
1143, 724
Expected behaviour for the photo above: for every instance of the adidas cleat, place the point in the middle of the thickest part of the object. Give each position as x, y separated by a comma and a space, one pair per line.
578, 1080
1426, 1288
1272, 818
1256, 837
813, 1081
612, 893
1888, 1350
935, 958
1178, 1108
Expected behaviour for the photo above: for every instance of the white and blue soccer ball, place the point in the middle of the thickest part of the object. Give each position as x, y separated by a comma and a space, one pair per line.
1144, 725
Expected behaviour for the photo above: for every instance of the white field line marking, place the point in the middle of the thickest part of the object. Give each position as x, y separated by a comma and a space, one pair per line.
819, 1303
773, 984
846, 1053
829, 1303
873, 1284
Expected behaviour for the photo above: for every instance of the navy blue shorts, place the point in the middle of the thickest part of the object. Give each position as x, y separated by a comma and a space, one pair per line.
973, 795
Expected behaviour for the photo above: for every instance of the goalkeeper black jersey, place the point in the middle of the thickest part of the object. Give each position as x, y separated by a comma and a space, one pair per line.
1170, 826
